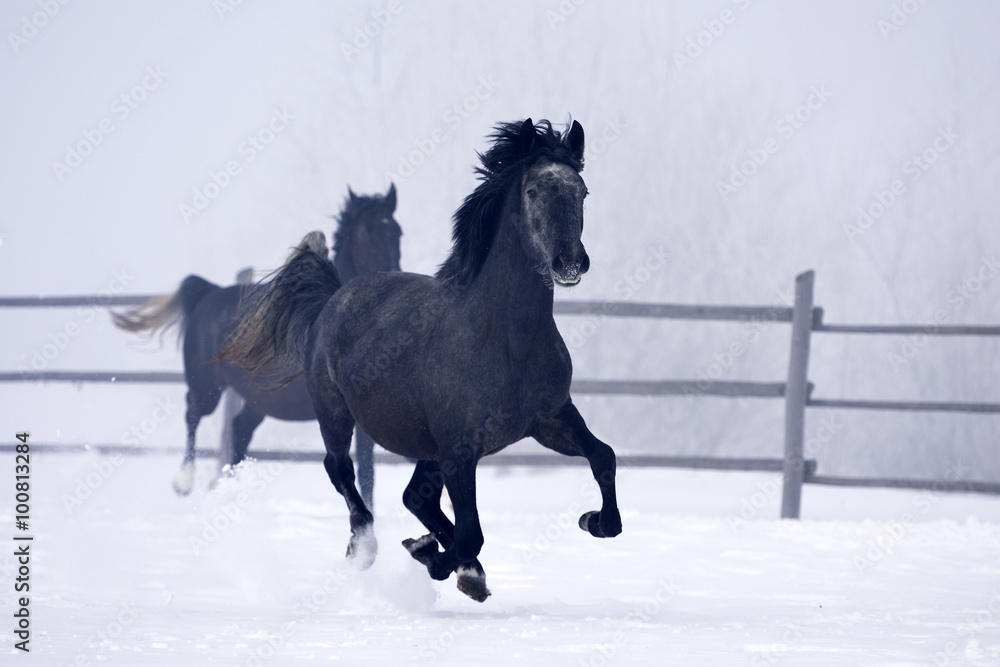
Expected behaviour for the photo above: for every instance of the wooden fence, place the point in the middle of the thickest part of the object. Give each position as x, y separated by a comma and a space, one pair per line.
805, 320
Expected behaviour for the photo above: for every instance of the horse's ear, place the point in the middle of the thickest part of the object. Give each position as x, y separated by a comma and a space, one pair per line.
526, 137
575, 140
350, 193
390, 197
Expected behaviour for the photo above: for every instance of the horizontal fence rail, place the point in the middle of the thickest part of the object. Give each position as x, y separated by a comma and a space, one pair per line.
804, 318
673, 311
93, 376
917, 406
71, 301
501, 459
908, 329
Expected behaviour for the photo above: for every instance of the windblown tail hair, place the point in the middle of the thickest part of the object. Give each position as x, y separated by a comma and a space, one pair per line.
163, 312
279, 311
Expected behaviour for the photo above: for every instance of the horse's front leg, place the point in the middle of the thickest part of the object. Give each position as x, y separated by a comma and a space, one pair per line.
567, 433
423, 498
460, 479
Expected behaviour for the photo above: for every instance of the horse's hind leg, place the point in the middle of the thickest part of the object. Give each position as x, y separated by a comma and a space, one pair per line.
423, 498
244, 424
366, 466
337, 425
201, 400
568, 434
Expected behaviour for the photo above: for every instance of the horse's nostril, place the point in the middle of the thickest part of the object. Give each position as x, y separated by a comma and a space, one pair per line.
557, 264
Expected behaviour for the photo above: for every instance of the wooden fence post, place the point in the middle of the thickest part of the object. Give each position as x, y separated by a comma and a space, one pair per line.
231, 402
796, 395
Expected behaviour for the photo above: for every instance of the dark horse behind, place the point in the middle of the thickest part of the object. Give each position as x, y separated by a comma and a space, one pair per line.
366, 241
473, 359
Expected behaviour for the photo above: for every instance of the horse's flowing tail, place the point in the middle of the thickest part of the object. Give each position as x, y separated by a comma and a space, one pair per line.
279, 311
164, 312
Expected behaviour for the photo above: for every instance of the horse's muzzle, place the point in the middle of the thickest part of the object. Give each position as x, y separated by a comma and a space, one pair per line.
567, 271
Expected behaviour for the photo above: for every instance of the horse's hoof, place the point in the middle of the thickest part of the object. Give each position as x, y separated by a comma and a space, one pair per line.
472, 582
362, 548
423, 549
184, 479
597, 524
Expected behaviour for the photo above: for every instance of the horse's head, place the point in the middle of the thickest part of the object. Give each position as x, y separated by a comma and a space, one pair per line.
551, 198
367, 238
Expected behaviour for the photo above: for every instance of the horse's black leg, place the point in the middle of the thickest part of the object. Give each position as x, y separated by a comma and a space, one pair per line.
202, 399
567, 433
366, 466
337, 425
460, 480
423, 498
244, 424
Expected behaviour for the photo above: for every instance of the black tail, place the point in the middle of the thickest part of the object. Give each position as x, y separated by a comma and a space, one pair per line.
164, 312
279, 311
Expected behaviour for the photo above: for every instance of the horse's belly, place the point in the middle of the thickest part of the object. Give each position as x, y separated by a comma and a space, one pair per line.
396, 427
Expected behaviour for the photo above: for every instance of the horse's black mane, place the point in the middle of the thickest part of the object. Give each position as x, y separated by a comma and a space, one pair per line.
476, 220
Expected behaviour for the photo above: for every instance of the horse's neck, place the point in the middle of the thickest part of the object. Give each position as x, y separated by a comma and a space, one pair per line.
343, 259
509, 292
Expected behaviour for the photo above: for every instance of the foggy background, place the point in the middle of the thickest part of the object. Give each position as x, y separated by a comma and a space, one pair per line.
743, 141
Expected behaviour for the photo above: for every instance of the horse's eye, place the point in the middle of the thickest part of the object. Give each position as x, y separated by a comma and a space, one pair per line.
532, 194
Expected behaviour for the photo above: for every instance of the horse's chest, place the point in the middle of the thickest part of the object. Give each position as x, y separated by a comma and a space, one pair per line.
525, 390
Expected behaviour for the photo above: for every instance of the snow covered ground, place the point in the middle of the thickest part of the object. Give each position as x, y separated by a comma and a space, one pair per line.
252, 573
743, 141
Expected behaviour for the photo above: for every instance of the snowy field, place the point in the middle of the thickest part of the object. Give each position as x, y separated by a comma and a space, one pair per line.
731, 144
252, 573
